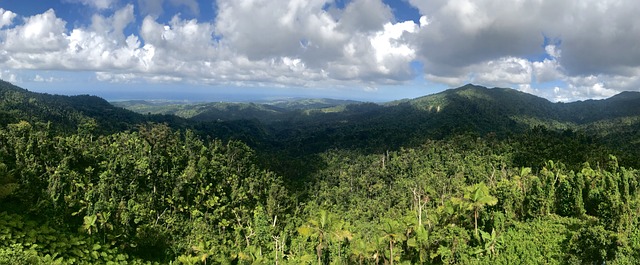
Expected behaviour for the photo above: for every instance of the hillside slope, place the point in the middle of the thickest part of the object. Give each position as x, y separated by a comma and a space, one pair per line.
64, 113
467, 109
311, 126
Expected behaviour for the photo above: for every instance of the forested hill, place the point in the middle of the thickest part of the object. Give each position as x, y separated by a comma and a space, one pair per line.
521, 106
70, 114
308, 126
467, 176
265, 111
315, 125
64, 113
469, 100
469, 108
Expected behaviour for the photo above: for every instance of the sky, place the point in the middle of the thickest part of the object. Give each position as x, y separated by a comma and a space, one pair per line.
374, 50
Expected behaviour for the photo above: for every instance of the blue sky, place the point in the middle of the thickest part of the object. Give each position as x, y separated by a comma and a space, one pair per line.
375, 50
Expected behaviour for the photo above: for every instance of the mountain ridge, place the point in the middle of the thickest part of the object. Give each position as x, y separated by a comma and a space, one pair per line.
319, 124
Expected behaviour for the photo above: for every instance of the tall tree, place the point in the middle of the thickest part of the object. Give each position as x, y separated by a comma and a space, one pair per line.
476, 197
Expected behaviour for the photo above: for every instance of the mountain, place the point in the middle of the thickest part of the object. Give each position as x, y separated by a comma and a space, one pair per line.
467, 108
68, 114
314, 125
267, 111
213, 111
65, 113
551, 181
624, 104
499, 100
310, 104
508, 104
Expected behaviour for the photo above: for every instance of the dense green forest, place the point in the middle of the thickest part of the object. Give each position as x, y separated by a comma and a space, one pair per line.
467, 176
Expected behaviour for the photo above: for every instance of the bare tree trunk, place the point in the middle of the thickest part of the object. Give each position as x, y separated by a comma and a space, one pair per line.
475, 215
391, 251
420, 213
276, 247
319, 252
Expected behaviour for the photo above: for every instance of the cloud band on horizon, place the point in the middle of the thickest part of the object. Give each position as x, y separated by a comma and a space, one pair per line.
567, 50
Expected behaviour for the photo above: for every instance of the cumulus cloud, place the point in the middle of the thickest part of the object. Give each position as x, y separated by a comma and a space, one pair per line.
98, 4
9, 76
6, 18
43, 42
504, 72
292, 42
360, 42
547, 71
582, 88
464, 32
592, 39
390, 51
589, 47
40, 33
600, 37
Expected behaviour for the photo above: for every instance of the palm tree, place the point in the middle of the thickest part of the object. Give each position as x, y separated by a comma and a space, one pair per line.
475, 198
393, 231
316, 228
361, 248
326, 228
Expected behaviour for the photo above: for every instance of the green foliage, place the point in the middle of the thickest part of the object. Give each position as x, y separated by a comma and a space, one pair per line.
543, 240
407, 183
24, 241
7, 182
16, 254
594, 244
475, 198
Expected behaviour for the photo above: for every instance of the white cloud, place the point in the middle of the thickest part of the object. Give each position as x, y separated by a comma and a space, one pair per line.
590, 38
553, 51
390, 51
40, 33
114, 25
98, 4
461, 33
547, 71
591, 87
9, 76
313, 43
504, 72
364, 16
45, 79
286, 42
43, 42
115, 78
6, 18
527, 89
582, 88
451, 81
501, 72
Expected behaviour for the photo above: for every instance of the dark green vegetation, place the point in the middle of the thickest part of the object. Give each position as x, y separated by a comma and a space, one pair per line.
468, 176
219, 111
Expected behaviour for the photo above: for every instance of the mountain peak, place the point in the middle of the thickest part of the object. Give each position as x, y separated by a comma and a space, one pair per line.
625, 95
471, 86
